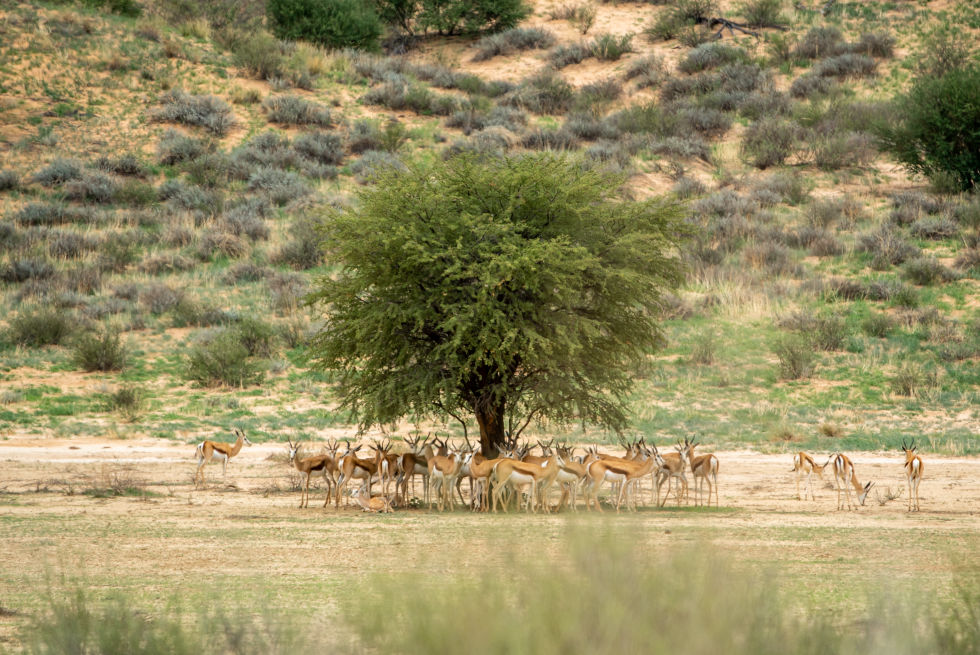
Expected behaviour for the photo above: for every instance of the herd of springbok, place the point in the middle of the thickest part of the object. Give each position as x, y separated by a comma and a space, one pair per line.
517, 474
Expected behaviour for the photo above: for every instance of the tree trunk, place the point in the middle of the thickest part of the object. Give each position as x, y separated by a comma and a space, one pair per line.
490, 418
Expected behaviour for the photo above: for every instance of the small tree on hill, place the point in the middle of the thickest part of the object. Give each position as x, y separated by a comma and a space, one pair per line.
507, 290
937, 132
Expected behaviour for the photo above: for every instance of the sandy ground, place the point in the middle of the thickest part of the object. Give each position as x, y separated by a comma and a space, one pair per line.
173, 540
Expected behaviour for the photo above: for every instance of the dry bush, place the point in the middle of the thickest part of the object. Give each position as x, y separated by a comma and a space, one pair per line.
513, 40
293, 110
207, 111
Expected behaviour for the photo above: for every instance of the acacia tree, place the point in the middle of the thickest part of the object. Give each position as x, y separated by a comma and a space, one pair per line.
506, 290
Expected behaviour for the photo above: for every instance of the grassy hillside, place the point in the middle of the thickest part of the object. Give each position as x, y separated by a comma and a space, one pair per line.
162, 176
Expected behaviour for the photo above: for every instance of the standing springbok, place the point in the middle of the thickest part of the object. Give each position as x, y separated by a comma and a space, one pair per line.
208, 451
705, 470
323, 464
913, 472
805, 466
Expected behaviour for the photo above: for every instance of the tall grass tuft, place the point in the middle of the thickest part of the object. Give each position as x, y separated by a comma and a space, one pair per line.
76, 623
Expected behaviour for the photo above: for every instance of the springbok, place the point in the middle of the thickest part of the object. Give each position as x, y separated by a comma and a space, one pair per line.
208, 451
913, 472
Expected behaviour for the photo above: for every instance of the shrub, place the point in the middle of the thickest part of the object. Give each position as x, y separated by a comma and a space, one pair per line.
886, 246
135, 193
303, 250
209, 112
281, 187
191, 313
260, 55
772, 257
247, 218
58, 172
245, 272
968, 213
31, 268
688, 187
257, 336
545, 139
69, 245
222, 360
819, 42
609, 47
335, 24
830, 333
874, 44
826, 245
648, 71
286, 290
215, 242
796, 355
91, 187
40, 327
832, 152
912, 380
512, 40
762, 13
968, 259
878, 325
372, 163
945, 48
703, 120
9, 180
364, 135
176, 147
682, 147
102, 351
592, 98
45, 214
320, 146
704, 348
936, 228
930, 134
450, 17
568, 54
926, 271
649, 118
545, 93
293, 110
769, 142
845, 65
160, 298
127, 165
810, 86
711, 55
128, 400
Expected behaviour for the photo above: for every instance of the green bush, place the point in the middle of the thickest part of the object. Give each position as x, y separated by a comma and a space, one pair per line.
609, 47
469, 16
223, 360
331, 23
937, 127
878, 325
129, 401
41, 327
769, 142
797, 357
102, 351
762, 13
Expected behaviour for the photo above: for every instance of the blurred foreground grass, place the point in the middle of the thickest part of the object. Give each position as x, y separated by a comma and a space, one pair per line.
595, 593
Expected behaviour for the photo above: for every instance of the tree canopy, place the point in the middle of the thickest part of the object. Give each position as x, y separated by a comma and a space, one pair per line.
506, 290
937, 129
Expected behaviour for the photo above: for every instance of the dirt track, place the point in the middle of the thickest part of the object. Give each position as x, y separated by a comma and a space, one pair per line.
760, 483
